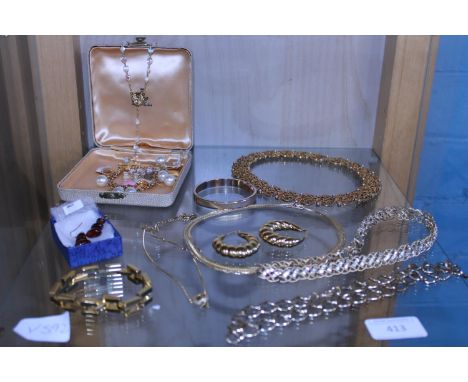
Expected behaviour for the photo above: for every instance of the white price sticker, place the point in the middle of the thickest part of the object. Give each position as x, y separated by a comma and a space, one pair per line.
395, 328
73, 207
45, 329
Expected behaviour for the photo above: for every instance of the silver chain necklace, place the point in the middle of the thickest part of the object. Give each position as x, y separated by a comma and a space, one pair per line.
263, 318
350, 258
137, 98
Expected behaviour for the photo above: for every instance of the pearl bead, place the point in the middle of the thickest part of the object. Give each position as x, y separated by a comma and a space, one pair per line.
101, 180
149, 170
118, 189
161, 161
162, 175
170, 180
131, 190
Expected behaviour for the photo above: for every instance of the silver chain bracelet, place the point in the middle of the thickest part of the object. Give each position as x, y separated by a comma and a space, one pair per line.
350, 258
263, 318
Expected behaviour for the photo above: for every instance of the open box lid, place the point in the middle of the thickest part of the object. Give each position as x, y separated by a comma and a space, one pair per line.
167, 124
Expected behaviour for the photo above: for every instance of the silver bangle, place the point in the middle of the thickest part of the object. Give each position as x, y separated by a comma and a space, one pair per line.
221, 184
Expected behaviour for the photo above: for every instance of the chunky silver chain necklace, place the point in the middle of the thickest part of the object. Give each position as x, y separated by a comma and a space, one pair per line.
263, 318
137, 98
350, 258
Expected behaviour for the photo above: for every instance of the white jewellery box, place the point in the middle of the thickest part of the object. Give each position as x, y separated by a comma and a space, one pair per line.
164, 130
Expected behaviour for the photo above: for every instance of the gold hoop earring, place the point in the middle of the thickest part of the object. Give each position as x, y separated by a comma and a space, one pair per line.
237, 251
268, 233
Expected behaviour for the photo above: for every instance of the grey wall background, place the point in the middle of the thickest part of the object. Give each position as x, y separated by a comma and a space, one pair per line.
309, 91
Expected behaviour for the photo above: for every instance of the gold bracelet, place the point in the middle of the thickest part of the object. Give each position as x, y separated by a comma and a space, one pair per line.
368, 190
62, 295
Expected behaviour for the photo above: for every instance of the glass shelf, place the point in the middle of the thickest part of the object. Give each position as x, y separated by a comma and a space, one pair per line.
170, 321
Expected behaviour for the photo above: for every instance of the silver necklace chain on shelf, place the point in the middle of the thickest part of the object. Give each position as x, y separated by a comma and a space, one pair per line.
254, 320
200, 299
138, 98
350, 258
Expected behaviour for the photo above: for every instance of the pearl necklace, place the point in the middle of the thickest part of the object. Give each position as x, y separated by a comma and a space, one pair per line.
137, 98
137, 177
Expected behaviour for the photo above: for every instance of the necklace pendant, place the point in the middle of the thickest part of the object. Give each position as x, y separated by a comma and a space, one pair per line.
139, 98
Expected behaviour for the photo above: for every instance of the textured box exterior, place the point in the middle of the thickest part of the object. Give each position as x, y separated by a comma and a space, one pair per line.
90, 253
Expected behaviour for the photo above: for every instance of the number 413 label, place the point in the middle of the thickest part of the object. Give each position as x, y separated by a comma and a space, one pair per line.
395, 328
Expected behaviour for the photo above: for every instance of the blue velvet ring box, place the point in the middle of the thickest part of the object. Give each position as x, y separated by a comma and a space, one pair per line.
90, 253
